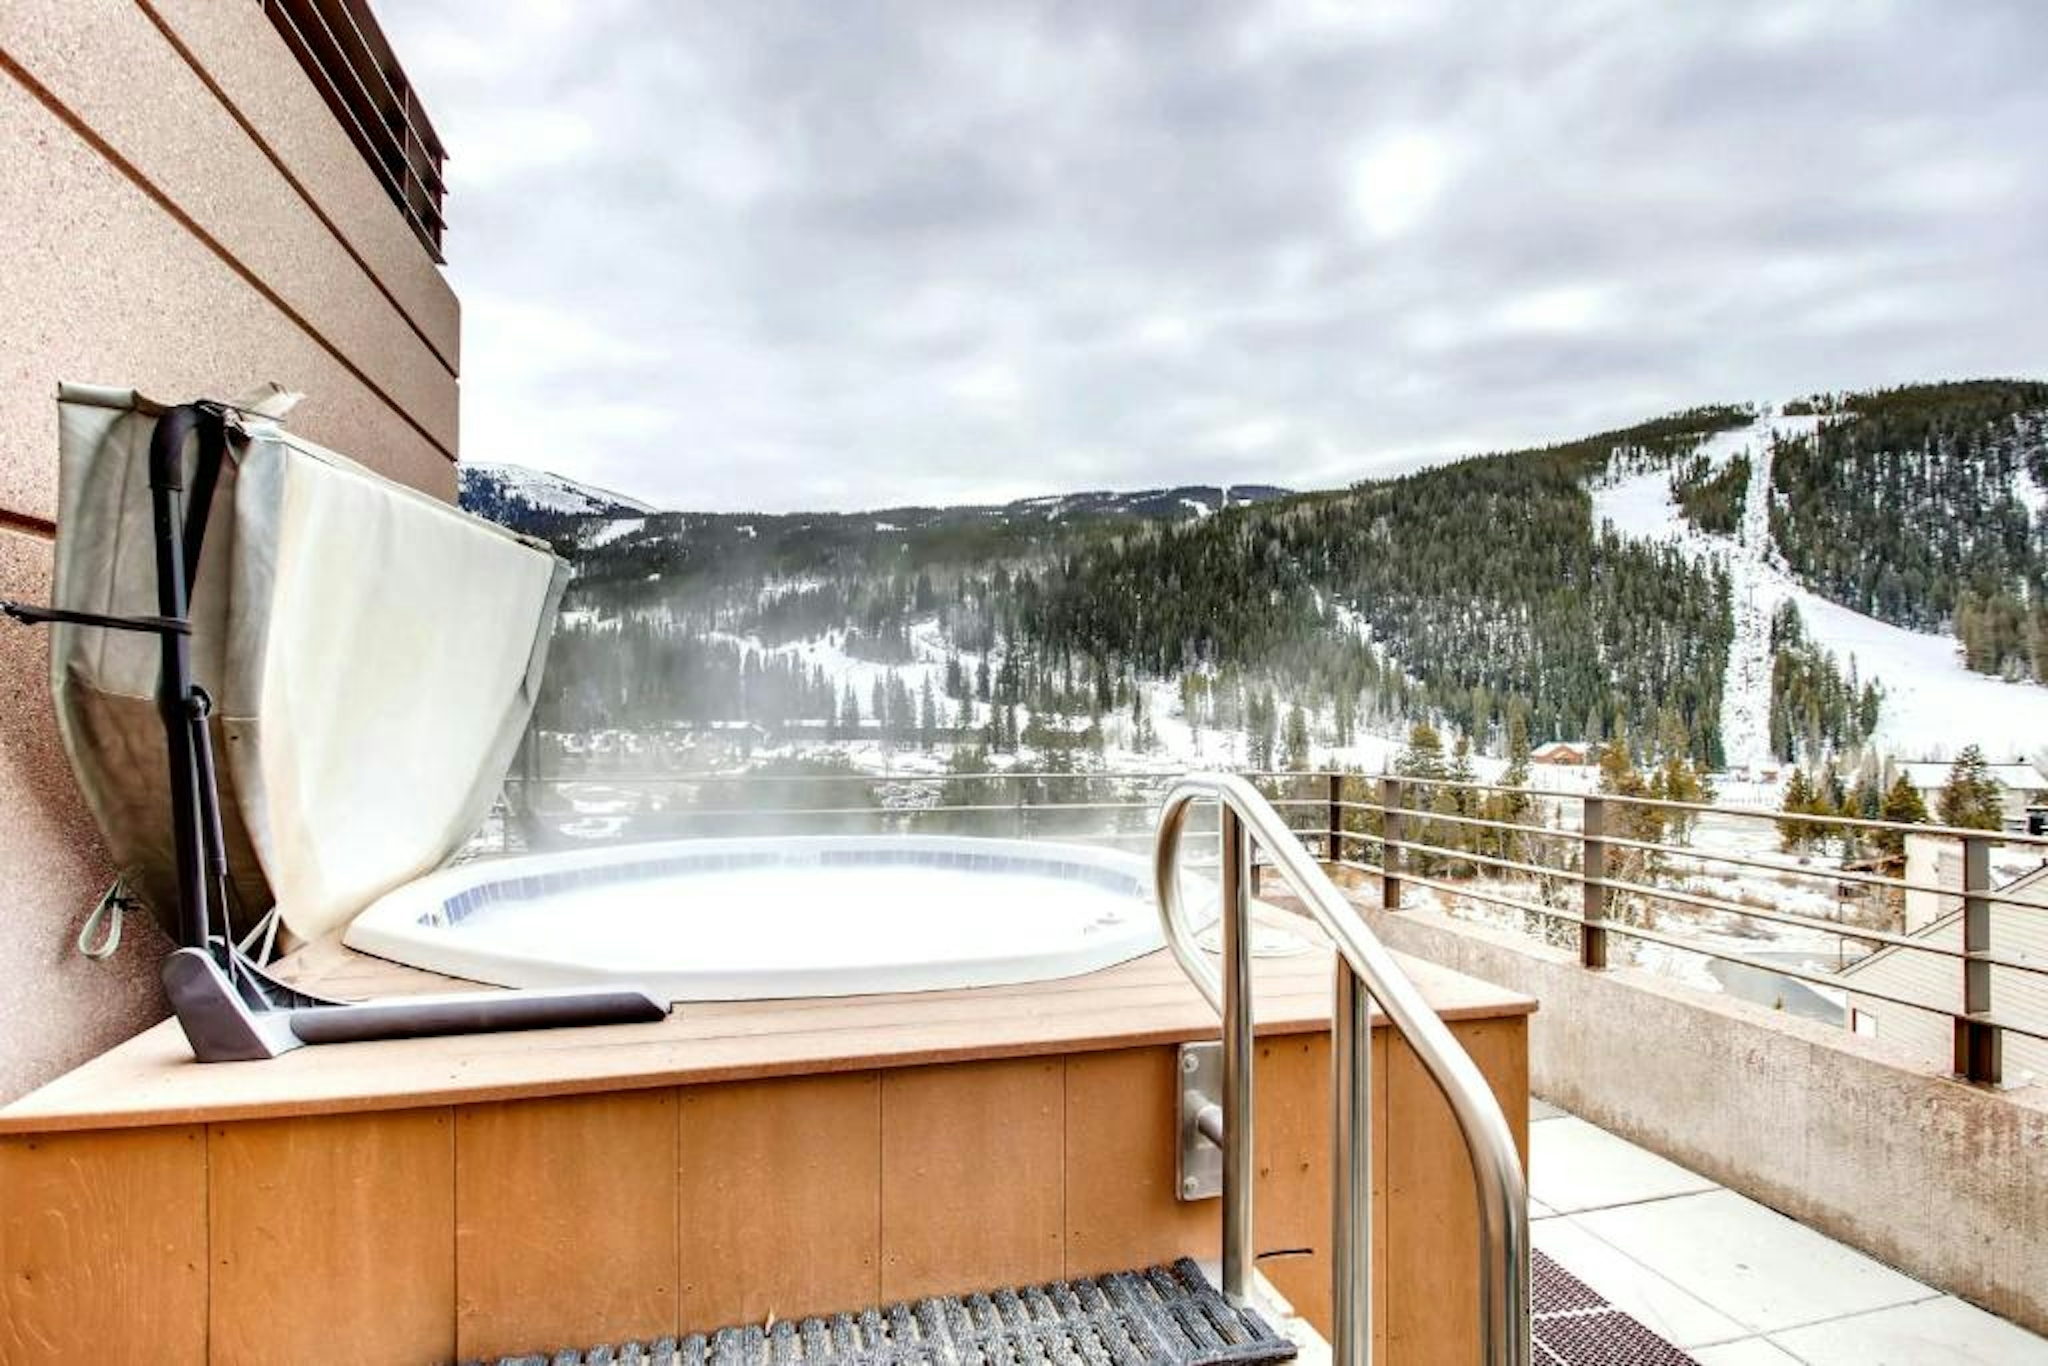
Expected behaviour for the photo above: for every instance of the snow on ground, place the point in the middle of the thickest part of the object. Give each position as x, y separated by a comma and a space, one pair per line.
2031, 495
1933, 706
828, 653
617, 529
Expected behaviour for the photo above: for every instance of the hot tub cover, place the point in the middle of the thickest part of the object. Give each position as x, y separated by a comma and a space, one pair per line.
372, 654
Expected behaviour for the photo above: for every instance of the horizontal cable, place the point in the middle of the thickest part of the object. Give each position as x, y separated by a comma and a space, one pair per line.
1745, 813
1699, 902
1706, 951
1697, 854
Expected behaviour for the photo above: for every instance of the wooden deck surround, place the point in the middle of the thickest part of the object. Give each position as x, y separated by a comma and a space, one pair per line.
452, 1198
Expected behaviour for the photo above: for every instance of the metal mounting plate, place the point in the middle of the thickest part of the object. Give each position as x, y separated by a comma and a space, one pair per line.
1198, 1166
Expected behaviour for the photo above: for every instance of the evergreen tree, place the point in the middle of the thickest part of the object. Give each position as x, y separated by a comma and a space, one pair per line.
1424, 757
1802, 798
1462, 800
1866, 798
849, 713
1297, 739
1902, 805
1512, 804
1971, 798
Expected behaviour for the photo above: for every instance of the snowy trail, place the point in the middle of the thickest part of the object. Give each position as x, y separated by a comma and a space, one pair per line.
1746, 693
1933, 706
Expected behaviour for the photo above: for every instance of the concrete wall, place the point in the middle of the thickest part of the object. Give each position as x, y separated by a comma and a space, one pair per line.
1943, 1180
182, 214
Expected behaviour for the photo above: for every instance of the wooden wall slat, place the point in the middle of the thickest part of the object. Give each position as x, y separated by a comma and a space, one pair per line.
1432, 1301
1123, 1209
1291, 1150
333, 1237
973, 1180
103, 1247
780, 1198
565, 1222
533, 1225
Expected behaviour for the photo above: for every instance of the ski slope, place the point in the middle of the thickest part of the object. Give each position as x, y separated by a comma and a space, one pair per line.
1933, 706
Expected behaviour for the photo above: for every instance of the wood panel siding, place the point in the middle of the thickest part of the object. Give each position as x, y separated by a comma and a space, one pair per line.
973, 1176
419, 1232
565, 1222
1123, 1209
780, 1198
1427, 1206
342, 1228
103, 1247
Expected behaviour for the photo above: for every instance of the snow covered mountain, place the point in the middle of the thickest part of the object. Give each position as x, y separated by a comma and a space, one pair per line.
1932, 704
1840, 576
534, 500
544, 504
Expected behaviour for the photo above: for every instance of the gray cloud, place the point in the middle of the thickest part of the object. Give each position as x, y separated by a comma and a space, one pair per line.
780, 255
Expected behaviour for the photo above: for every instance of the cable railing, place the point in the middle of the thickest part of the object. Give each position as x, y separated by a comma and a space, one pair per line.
1365, 974
1583, 870
345, 53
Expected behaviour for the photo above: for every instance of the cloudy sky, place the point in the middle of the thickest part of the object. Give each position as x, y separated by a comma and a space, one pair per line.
761, 255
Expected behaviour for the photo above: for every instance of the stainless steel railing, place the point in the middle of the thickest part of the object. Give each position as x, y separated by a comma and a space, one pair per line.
1365, 973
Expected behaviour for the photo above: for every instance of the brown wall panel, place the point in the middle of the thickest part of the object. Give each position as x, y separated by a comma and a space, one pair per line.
533, 1225
1291, 1149
1123, 1209
334, 1238
1432, 1302
973, 1187
565, 1222
780, 1199
103, 1247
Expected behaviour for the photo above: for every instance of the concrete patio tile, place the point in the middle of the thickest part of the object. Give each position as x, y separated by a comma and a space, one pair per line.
1539, 1210
1574, 1166
1749, 1262
1748, 1352
1666, 1310
1937, 1332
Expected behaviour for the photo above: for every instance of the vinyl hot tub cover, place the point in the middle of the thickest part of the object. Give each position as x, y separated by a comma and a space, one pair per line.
371, 652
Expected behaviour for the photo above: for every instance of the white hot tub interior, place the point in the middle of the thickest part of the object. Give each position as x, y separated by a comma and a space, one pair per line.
754, 919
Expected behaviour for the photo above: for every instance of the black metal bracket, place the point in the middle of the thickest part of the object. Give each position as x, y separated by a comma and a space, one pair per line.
230, 1008
29, 615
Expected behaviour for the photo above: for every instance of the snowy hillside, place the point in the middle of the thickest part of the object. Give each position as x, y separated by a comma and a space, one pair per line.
514, 495
1932, 704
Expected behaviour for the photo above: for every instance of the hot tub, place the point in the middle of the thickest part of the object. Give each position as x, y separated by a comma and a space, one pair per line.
768, 919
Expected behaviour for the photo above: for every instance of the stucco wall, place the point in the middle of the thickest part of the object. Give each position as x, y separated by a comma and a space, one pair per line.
1864, 1142
182, 214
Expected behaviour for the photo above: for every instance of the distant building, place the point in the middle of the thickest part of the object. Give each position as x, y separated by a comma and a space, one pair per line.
2023, 789
2018, 932
1562, 753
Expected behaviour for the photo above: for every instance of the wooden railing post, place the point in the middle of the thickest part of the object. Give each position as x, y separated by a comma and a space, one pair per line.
1979, 1043
1390, 852
1333, 841
1593, 869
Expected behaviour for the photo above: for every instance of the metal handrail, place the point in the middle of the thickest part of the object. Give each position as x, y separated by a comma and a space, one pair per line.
1365, 973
